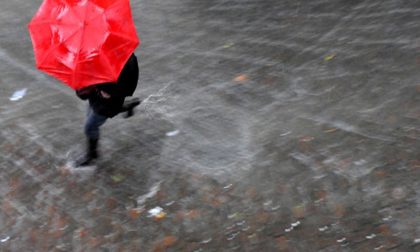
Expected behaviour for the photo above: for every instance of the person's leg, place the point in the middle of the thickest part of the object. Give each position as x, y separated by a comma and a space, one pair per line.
93, 122
129, 105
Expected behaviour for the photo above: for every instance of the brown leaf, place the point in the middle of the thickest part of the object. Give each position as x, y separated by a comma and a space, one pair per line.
83, 233
61, 222
135, 213
262, 217
380, 173
51, 210
94, 241
384, 230
88, 196
165, 243
299, 211
169, 241
321, 194
241, 78
57, 233
111, 203
7, 207
415, 164
306, 139
339, 210
282, 242
330, 130
193, 214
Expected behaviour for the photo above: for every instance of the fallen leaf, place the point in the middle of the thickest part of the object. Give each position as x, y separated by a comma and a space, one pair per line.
415, 164
94, 242
306, 139
241, 78
82, 233
228, 45
299, 211
330, 130
282, 242
111, 203
193, 214
330, 57
321, 195
339, 210
262, 217
117, 178
384, 230
169, 240
51, 210
135, 213
160, 216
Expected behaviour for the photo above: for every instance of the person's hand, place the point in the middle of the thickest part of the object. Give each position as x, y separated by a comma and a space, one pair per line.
85, 92
105, 95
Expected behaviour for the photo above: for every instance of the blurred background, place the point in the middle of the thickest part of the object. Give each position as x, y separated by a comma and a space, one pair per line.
266, 126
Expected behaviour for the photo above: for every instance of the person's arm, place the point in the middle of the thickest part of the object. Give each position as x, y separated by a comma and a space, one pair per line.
85, 92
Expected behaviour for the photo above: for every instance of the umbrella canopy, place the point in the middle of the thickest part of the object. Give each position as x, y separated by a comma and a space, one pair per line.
83, 42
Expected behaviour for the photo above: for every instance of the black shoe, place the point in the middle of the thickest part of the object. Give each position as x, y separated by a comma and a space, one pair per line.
85, 160
129, 106
90, 156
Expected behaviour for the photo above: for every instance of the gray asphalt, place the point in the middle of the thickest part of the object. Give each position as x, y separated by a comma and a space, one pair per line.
266, 126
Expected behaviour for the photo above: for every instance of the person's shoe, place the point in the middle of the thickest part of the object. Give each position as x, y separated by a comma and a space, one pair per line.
129, 105
91, 154
85, 160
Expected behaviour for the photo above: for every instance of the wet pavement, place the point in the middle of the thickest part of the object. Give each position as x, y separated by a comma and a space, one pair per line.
266, 126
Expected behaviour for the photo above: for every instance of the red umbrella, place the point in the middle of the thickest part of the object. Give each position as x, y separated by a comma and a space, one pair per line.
83, 42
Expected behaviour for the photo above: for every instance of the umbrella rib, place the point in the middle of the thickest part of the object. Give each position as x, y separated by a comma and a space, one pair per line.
55, 47
110, 68
125, 36
78, 53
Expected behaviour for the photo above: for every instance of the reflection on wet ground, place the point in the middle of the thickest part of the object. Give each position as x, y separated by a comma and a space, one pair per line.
265, 126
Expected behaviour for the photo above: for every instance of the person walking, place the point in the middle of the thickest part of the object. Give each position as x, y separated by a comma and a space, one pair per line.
107, 100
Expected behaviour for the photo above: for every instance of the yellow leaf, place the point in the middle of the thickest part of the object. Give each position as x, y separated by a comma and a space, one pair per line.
330, 57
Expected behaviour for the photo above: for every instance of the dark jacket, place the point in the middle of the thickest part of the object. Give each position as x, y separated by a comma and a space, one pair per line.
125, 86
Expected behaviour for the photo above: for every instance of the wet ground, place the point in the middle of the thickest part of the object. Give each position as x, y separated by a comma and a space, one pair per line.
266, 126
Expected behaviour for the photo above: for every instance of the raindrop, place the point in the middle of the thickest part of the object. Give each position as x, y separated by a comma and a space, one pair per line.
387, 218
417, 240
380, 247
